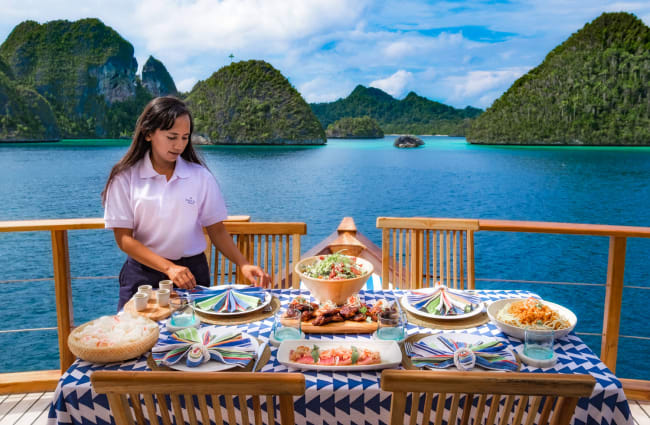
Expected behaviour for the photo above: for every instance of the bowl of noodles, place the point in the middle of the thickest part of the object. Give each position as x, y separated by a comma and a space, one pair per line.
515, 315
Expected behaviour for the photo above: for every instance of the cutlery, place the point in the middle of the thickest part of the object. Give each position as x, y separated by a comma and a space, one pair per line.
258, 356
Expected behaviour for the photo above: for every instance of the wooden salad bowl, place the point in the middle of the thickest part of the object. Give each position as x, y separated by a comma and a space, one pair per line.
337, 291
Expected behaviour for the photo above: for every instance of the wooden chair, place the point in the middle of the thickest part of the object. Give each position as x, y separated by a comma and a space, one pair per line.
555, 394
199, 390
273, 246
419, 252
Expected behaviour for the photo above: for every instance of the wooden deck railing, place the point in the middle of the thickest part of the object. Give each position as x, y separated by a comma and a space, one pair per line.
638, 389
634, 388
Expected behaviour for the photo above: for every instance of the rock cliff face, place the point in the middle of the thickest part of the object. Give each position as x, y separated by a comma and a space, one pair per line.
593, 89
252, 103
24, 114
156, 79
83, 69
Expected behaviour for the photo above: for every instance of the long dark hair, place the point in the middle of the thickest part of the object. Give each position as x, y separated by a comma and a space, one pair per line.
159, 114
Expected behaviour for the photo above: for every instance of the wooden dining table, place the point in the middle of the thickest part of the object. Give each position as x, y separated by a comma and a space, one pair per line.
333, 397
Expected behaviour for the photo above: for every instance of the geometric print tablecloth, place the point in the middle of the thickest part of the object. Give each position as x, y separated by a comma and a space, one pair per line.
355, 397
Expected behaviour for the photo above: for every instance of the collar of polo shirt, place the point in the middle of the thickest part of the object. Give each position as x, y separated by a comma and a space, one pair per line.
181, 170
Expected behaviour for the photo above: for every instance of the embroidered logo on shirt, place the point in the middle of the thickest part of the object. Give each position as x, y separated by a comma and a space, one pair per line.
190, 200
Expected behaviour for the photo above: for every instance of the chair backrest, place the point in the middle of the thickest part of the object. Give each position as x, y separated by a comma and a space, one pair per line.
419, 252
198, 393
486, 397
273, 246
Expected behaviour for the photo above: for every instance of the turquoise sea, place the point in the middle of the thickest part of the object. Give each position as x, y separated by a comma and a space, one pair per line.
363, 179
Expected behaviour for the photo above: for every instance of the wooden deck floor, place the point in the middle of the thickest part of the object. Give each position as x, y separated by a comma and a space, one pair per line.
25, 409
640, 412
32, 408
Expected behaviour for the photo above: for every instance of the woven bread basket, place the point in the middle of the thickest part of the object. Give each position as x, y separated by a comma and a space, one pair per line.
115, 353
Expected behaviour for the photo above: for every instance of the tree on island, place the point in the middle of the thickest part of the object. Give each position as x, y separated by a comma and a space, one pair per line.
354, 128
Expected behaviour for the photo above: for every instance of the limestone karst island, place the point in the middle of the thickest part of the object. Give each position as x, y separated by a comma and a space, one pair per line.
79, 79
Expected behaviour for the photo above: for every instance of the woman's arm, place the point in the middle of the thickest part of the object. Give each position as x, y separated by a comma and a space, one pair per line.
224, 243
180, 275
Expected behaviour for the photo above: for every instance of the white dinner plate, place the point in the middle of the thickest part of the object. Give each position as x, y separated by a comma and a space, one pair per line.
211, 365
267, 300
391, 355
434, 342
407, 305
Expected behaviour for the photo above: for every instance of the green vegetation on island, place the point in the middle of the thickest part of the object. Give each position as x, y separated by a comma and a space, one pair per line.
354, 128
414, 114
24, 114
250, 102
84, 70
593, 89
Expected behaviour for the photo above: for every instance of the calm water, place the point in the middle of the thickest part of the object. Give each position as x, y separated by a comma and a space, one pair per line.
320, 185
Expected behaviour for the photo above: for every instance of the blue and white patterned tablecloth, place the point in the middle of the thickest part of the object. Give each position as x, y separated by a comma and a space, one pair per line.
355, 397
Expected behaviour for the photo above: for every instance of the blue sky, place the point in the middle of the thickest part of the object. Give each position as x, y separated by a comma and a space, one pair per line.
456, 52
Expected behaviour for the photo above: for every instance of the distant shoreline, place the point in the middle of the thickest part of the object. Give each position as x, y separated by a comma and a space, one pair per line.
31, 141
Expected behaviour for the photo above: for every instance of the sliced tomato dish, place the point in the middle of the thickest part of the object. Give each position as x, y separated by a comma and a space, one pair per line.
338, 356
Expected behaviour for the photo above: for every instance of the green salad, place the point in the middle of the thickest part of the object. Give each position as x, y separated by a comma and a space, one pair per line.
334, 267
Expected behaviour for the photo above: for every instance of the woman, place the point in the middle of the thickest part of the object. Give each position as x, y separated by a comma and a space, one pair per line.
157, 200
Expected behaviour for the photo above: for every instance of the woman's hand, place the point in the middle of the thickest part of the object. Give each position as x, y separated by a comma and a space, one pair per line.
256, 275
182, 276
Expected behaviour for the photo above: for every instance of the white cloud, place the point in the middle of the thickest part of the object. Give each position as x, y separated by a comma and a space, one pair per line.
482, 85
186, 84
323, 89
231, 25
398, 49
395, 84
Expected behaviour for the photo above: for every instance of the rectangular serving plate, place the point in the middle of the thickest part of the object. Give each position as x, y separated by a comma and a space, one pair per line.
391, 355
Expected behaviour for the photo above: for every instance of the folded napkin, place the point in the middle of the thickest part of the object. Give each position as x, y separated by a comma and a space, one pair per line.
229, 300
200, 346
444, 302
489, 355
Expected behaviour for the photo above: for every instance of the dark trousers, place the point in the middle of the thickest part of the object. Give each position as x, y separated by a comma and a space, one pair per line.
134, 274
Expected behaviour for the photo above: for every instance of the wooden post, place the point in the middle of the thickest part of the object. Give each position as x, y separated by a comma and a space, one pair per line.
471, 283
385, 257
295, 252
63, 294
416, 243
613, 301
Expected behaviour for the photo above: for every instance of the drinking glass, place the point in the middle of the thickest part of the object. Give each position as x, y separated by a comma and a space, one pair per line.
182, 312
391, 325
538, 344
287, 326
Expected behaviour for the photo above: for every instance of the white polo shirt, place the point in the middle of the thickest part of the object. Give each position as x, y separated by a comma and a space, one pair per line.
166, 216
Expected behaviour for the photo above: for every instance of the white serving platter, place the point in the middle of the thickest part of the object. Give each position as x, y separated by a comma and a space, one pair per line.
391, 355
